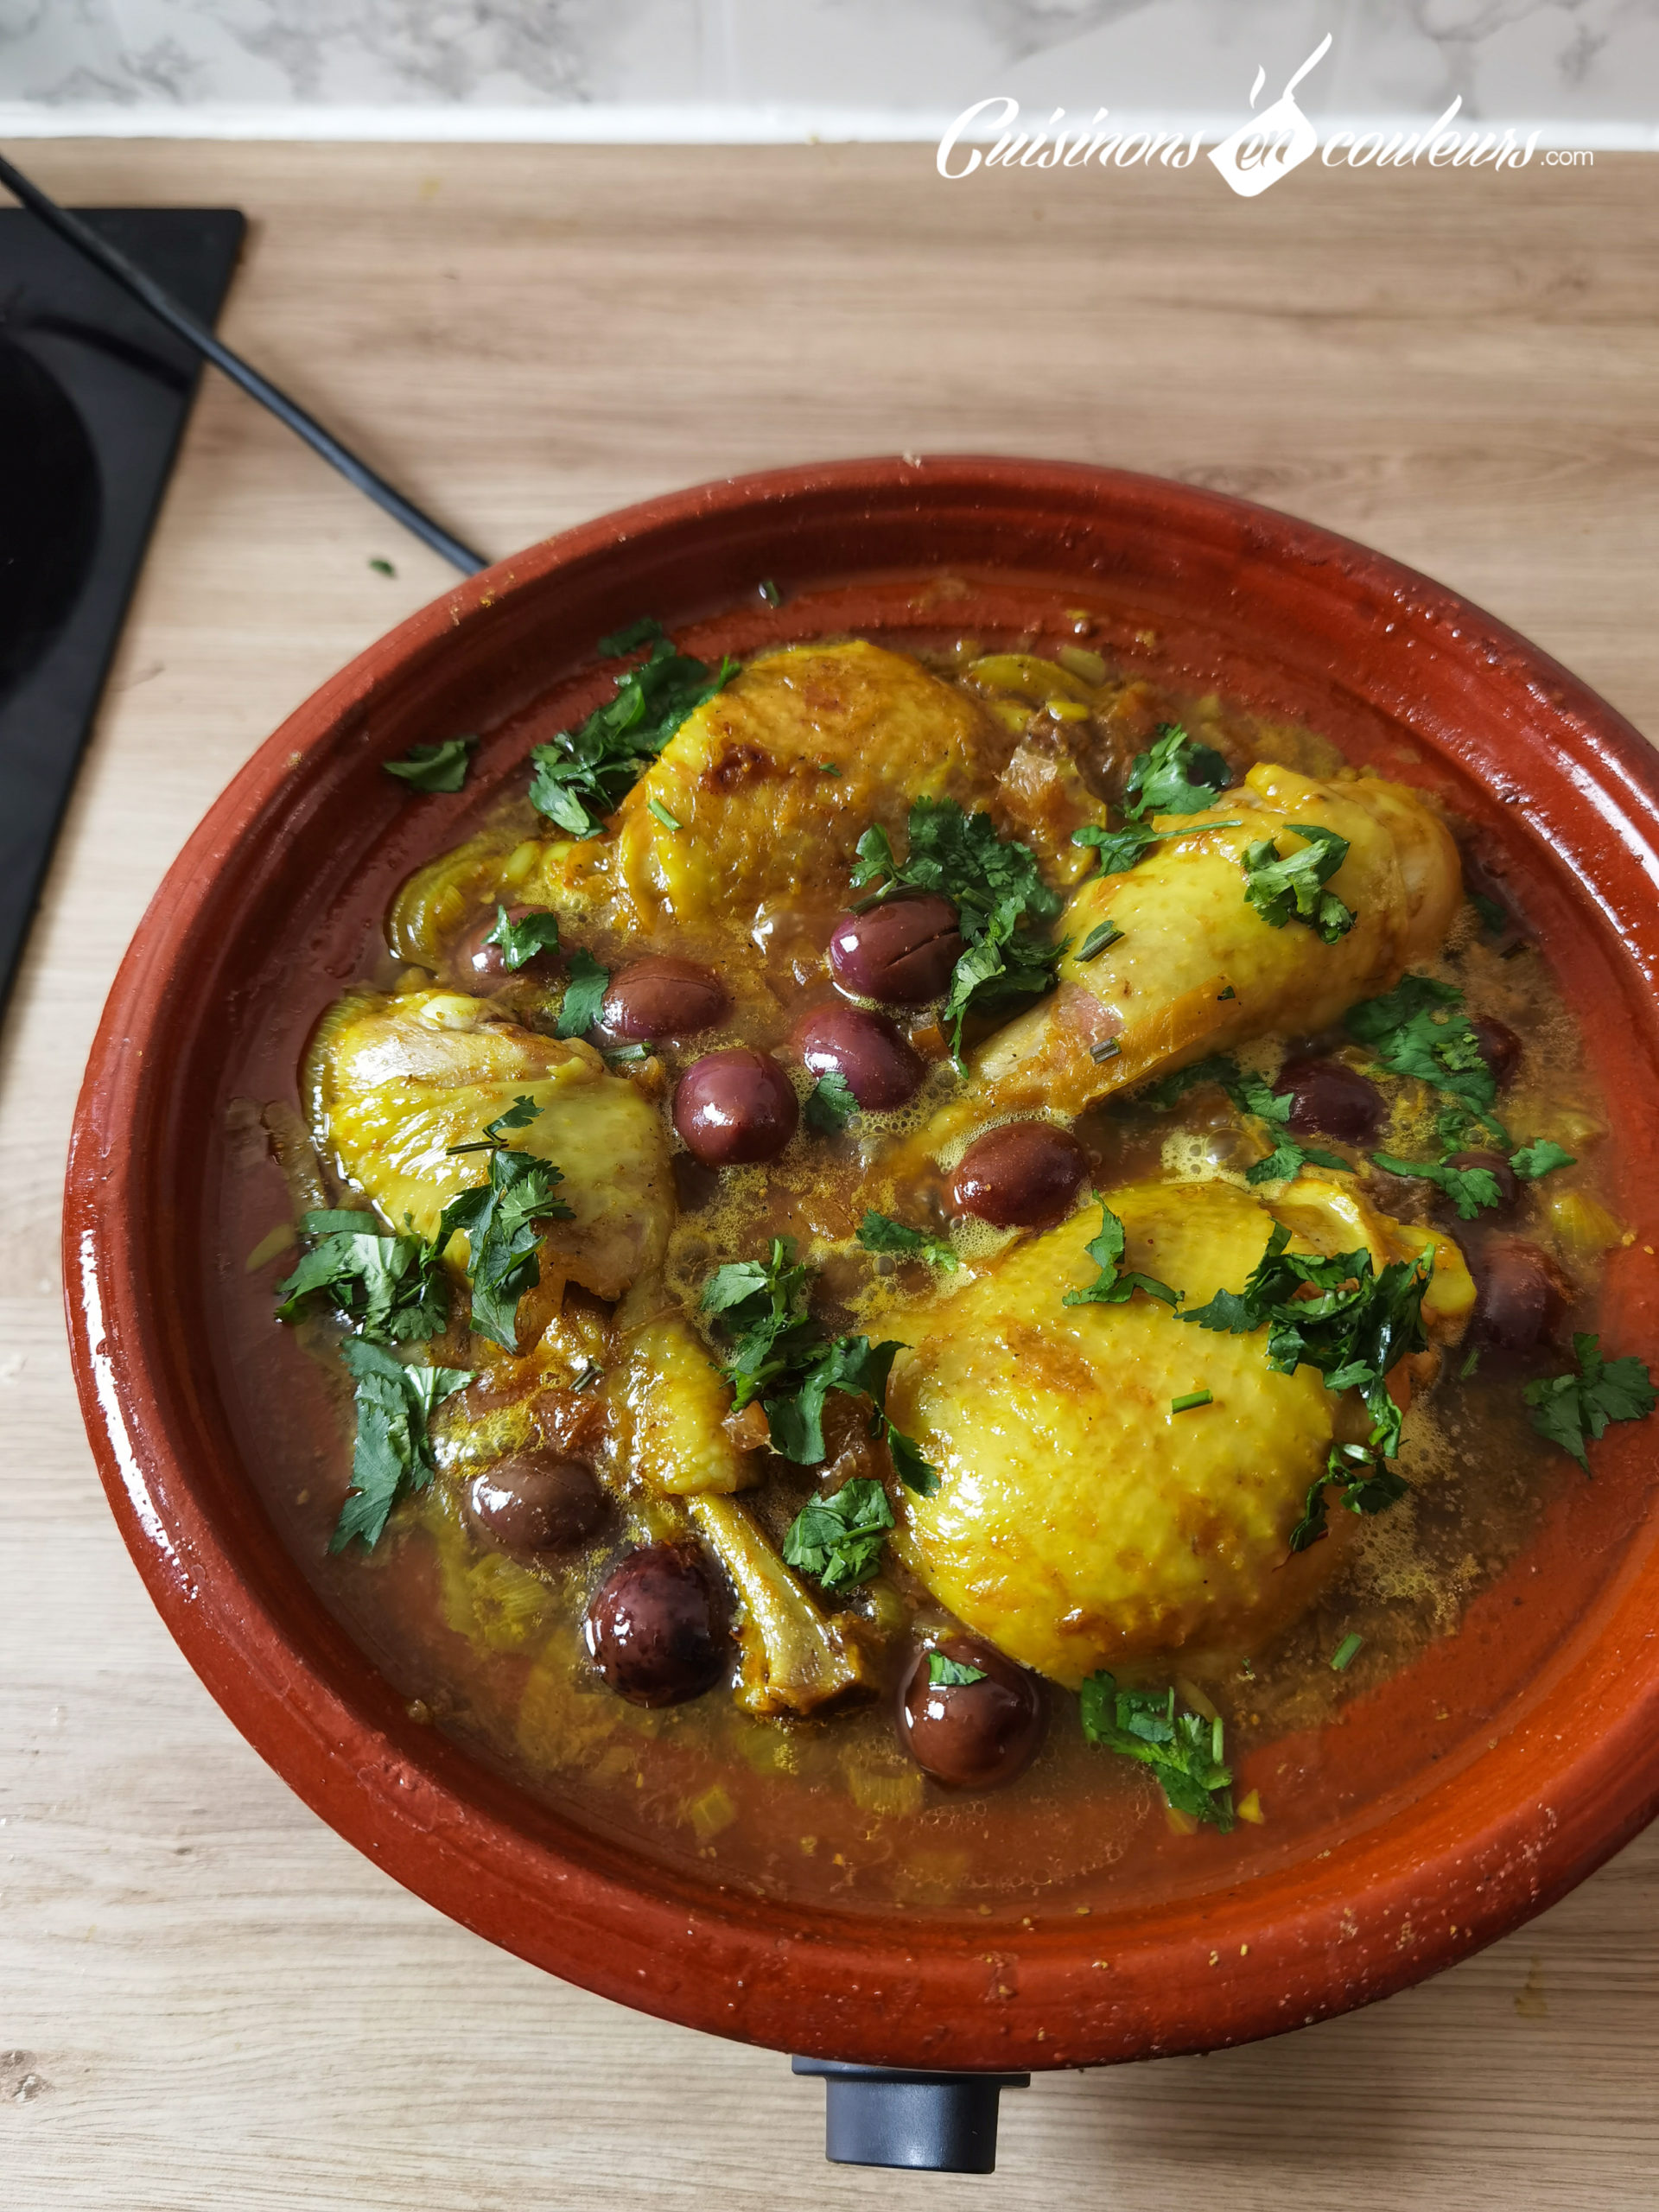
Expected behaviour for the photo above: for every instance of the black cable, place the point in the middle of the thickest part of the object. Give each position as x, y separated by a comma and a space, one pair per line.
115, 265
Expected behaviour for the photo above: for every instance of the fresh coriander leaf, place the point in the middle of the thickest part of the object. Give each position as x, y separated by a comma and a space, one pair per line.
770, 592
879, 1232
1102, 935
584, 995
830, 1103
1567, 1408
1363, 1484
439, 768
1472, 1190
521, 940
1170, 1089
654, 805
522, 1111
1000, 899
1112, 1286
945, 1673
1179, 776
1421, 1028
1251, 1093
1286, 887
646, 631
392, 1456
504, 1221
1493, 916
1183, 1750
381, 566
1120, 849
1190, 1400
581, 776
827, 767
1345, 1653
391, 1288
1541, 1158
839, 1539
1469, 1365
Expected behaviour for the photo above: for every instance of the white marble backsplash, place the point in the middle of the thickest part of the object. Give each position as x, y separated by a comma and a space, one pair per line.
737, 68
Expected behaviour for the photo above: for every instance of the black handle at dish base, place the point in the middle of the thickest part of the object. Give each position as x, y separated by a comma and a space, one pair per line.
934, 2123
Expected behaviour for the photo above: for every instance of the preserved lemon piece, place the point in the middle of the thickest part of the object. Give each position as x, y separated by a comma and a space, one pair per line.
1080, 1522
393, 1082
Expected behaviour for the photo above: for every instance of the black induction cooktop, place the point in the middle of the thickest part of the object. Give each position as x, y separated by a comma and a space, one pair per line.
94, 394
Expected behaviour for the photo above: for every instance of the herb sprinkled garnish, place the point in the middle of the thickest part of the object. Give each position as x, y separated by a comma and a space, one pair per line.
1113, 1285
1190, 1400
582, 775
1179, 776
780, 1356
1000, 896
1119, 849
439, 768
392, 1456
584, 995
840, 1539
1286, 887
390, 1286
504, 1221
1421, 1028
1183, 1750
1347, 1652
1102, 935
521, 940
830, 1103
770, 592
1354, 1329
381, 566
644, 630
1251, 1094
945, 1673
1567, 1408
655, 806
879, 1232
1542, 1157
1492, 916
1474, 1190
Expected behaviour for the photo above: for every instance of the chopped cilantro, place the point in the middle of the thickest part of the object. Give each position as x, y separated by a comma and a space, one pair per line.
1119, 849
582, 775
1104, 1049
439, 768
391, 1455
1469, 1365
1183, 1750
1251, 1094
1345, 1653
1190, 1400
504, 1221
1493, 916
945, 1673
1286, 887
1421, 1028
1472, 1190
1540, 1158
840, 1539
1177, 776
390, 1287
1000, 896
520, 941
654, 805
1113, 1285
1363, 1484
584, 995
827, 767
1102, 935
879, 1232
781, 1354
830, 1103
645, 630
770, 592
1567, 1409
381, 566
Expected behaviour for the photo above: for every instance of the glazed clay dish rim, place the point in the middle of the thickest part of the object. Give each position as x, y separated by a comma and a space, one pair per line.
1472, 1855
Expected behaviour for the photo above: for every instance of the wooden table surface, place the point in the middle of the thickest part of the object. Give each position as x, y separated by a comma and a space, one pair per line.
207, 1998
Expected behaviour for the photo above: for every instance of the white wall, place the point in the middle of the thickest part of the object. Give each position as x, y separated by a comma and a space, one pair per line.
743, 68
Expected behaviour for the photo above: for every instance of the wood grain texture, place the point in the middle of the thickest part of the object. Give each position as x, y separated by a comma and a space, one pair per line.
207, 1999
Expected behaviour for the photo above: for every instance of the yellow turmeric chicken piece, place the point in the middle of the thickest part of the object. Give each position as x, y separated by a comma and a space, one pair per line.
1080, 1522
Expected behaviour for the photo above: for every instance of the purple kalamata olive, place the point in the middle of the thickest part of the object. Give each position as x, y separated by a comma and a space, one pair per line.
663, 997
735, 1107
657, 1628
1022, 1175
477, 965
1499, 1046
901, 953
1329, 1098
1509, 1183
1520, 1296
972, 1735
536, 1502
881, 1069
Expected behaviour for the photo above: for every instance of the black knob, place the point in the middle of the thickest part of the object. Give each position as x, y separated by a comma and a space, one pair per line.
885, 2116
